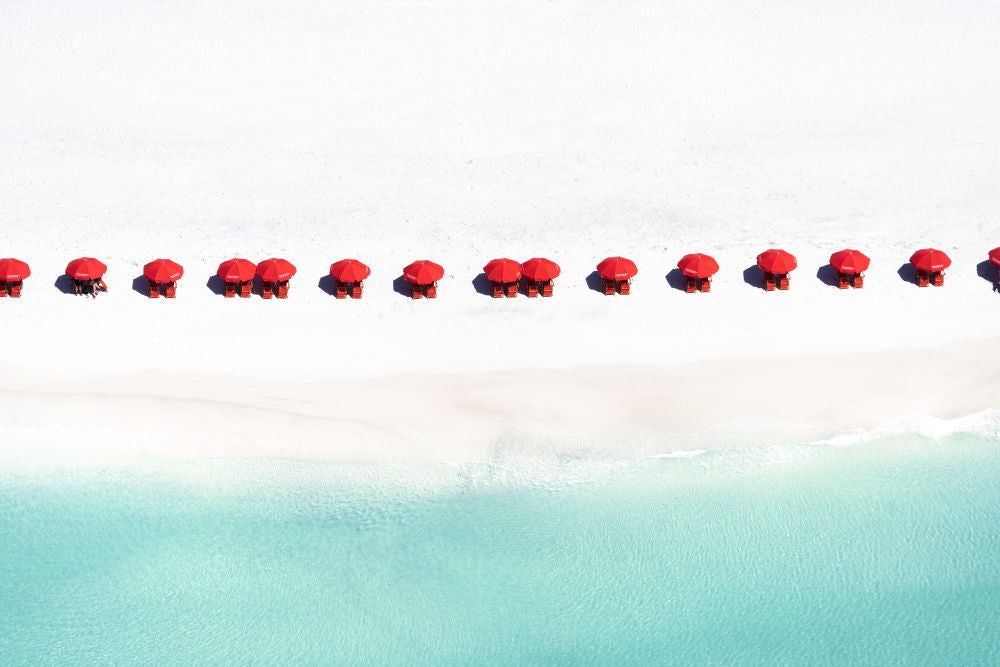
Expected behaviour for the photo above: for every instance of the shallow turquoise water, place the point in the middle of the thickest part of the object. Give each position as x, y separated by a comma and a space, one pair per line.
885, 552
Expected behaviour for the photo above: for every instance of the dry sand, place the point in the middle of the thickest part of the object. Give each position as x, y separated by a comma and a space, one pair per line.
464, 131
457, 418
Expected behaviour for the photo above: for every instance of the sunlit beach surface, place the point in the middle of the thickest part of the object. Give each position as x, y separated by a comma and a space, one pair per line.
803, 477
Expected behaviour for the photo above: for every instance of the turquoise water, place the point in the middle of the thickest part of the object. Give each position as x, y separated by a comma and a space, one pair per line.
884, 552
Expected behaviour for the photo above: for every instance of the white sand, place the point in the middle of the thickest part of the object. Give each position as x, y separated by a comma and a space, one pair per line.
625, 410
462, 131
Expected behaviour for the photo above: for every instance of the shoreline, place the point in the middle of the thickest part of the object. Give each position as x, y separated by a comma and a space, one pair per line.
475, 417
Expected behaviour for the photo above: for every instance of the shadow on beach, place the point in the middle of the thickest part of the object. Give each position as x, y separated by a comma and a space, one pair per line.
828, 275
483, 285
402, 286
908, 273
753, 275
595, 282
987, 270
328, 284
140, 285
675, 278
64, 284
217, 285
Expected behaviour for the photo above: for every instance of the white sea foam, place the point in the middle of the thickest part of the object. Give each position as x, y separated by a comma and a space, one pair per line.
517, 461
985, 423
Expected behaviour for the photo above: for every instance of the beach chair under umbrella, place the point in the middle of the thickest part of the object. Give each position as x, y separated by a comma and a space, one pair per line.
617, 273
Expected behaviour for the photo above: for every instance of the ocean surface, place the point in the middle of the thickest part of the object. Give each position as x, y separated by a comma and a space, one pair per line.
878, 549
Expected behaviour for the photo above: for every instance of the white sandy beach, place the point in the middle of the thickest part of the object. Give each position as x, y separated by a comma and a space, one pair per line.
461, 132
603, 410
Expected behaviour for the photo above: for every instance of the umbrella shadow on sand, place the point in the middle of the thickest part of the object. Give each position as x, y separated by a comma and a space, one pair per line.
483, 285
217, 285
64, 284
328, 284
987, 270
827, 274
677, 280
595, 282
140, 285
908, 273
753, 275
402, 286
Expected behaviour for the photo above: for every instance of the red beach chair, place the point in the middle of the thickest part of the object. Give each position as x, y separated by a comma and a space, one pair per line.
356, 290
532, 289
939, 279
341, 292
266, 290
922, 279
609, 287
283, 290
626, 286
245, 289
783, 283
859, 280
511, 290
497, 290
154, 290
417, 292
706, 284
547, 288
230, 290
3, 288
171, 290
769, 282
432, 291
691, 285
15, 289
842, 280
103, 285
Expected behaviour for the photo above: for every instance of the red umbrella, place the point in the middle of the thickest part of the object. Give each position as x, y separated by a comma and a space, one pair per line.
86, 268
423, 272
929, 259
503, 270
698, 265
163, 271
539, 268
349, 271
274, 270
850, 261
13, 270
994, 256
776, 261
236, 270
617, 268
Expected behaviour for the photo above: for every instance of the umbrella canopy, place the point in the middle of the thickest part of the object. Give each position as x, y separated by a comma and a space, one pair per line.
776, 260
698, 265
275, 269
503, 270
423, 272
994, 256
13, 270
349, 271
236, 270
86, 268
617, 268
929, 259
163, 271
539, 268
850, 261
